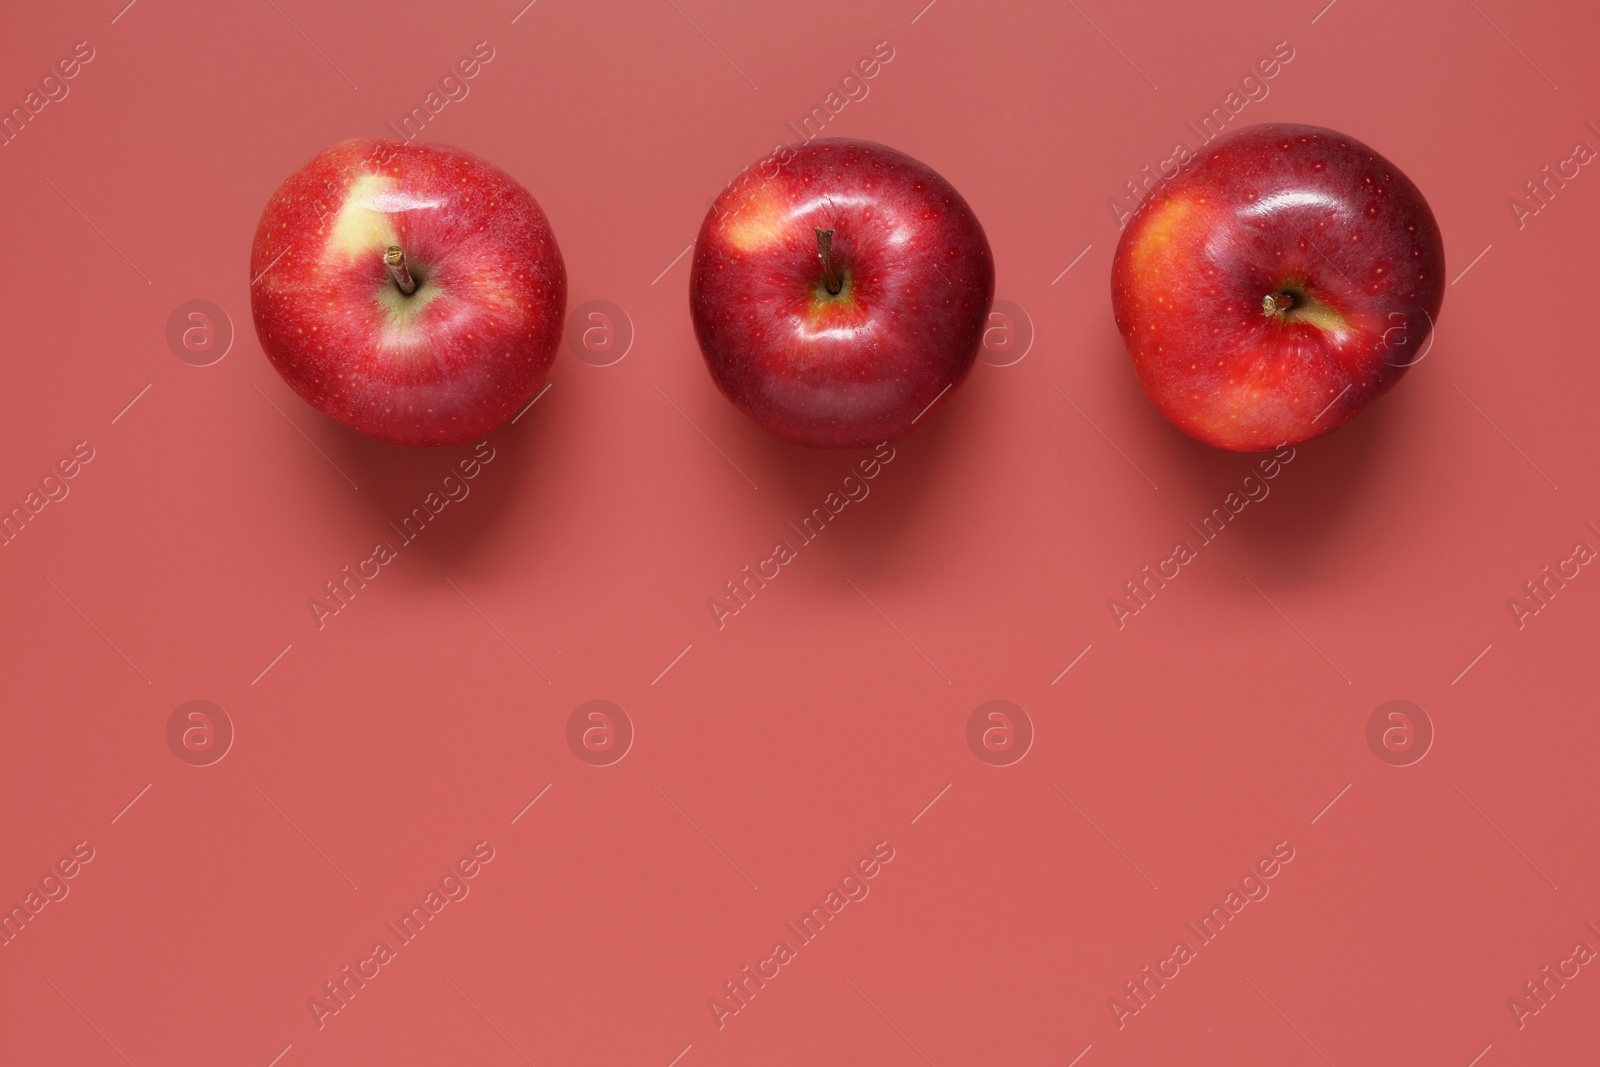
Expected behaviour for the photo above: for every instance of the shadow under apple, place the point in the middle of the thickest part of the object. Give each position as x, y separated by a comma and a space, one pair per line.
869, 530
1313, 499
437, 506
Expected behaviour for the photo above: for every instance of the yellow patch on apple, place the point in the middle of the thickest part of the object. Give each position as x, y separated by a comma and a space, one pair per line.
1162, 227
363, 226
758, 221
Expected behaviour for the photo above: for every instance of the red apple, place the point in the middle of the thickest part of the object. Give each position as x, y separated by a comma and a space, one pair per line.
1282, 280
411, 291
839, 292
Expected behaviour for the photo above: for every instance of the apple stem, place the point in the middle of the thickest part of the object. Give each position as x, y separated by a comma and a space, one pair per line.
1276, 304
830, 272
395, 257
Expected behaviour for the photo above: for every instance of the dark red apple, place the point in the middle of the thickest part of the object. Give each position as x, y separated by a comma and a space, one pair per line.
1282, 280
411, 291
839, 292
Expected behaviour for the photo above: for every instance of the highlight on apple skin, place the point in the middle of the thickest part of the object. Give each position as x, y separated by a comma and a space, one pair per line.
411, 291
839, 292
1281, 281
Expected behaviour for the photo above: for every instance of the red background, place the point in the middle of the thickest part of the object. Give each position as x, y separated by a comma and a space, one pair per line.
826, 716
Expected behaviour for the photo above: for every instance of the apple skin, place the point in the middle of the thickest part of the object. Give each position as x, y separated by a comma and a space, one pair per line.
857, 368
454, 359
1277, 209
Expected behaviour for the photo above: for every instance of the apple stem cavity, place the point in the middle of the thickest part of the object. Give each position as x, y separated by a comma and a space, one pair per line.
1277, 304
395, 257
830, 269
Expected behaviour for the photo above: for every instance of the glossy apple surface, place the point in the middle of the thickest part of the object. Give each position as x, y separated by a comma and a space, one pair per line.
856, 347
1283, 280
444, 363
